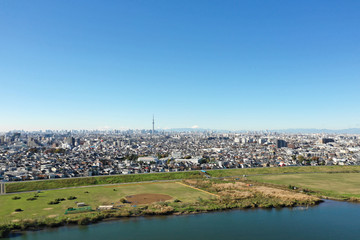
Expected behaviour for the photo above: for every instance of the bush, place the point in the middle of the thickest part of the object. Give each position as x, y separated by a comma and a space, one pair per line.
84, 221
31, 199
123, 200
4, 231
53, 202
18, 210
177, 200
15, 198
60, 199
72, 198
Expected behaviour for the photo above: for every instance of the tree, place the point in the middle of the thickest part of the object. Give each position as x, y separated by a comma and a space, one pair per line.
301, 158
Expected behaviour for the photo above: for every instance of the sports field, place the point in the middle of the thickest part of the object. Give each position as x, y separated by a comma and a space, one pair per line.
337, 185
91, 196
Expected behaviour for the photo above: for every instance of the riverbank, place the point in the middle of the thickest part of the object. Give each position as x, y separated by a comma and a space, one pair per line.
330, 220
337, 186
114, 179
259, 188
216, 195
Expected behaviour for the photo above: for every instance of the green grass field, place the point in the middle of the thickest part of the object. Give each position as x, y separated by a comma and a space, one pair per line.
73, 182
279, 170
336, 185
97, 195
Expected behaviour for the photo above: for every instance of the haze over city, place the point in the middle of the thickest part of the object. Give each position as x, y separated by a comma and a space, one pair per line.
234, 65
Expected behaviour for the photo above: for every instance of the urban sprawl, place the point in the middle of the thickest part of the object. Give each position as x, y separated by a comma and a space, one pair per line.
66, 154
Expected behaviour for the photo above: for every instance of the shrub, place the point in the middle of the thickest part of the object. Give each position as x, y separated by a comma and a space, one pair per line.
60, 199
84, 221
123, 200
15, 198
53, 202
177, 200
18, 210
4, 231
71, 198
31, 199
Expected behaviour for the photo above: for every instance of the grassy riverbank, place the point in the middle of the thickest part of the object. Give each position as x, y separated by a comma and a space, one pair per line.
87, 181
39, 207
263, 187
343, 186
189, 196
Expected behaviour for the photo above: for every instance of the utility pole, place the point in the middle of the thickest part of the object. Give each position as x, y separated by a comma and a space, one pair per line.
2, 189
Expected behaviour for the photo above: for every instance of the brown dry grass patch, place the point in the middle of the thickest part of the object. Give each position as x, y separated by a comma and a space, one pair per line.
229, 186
282, 194
195, 182
159, 209
236, 194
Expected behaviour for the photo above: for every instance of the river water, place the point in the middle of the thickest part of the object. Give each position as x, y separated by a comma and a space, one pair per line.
329, 220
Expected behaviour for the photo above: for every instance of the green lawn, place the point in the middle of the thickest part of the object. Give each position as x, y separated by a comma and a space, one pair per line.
338, 185
275, 170
97, 195
113, 179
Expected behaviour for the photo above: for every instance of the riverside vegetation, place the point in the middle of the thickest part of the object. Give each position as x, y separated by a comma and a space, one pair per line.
204, 195
336, 186
86, 181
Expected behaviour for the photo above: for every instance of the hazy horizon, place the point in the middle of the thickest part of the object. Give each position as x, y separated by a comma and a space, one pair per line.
285, 130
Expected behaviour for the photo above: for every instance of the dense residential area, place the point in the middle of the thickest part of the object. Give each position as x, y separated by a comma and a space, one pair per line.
67, 154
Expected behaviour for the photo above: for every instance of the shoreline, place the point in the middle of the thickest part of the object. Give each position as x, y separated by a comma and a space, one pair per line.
228, 193
106, 216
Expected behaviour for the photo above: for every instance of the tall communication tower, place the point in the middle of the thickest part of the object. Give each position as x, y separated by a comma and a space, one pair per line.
153, 129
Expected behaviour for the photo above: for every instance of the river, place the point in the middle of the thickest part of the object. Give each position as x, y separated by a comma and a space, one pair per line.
329, 220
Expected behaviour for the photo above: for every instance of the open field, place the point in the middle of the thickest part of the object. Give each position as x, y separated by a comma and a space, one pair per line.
280, 170
97, 195
335, 185
140, 199
87, 181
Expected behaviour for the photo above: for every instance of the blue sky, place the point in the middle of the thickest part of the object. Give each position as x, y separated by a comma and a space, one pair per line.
237, 65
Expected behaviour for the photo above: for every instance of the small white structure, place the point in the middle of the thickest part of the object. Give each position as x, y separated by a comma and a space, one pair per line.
195, 160
148, 159
106, 207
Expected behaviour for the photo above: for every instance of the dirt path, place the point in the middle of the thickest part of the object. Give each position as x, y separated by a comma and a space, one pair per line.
198, 189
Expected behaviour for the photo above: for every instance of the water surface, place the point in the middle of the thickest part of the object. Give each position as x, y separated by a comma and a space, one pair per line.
329, 220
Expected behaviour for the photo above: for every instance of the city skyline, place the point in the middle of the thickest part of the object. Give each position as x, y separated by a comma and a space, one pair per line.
232, 65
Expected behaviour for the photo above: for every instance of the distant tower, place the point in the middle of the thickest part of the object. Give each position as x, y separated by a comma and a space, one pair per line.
153, 125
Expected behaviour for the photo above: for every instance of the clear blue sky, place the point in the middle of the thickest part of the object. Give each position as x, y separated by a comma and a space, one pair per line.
214, 64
